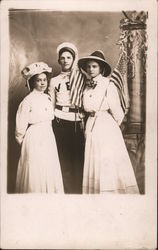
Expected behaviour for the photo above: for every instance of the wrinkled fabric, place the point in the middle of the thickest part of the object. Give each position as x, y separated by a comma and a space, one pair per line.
107, 166
38, 168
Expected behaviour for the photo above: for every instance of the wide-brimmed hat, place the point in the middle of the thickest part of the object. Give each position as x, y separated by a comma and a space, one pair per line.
98, 56
34, 69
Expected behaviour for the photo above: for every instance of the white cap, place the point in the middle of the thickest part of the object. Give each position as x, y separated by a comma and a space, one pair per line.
67, 45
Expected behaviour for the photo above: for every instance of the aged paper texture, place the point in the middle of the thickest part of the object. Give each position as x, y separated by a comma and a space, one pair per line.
42, 221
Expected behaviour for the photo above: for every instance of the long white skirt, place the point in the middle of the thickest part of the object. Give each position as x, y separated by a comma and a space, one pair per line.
107, 166
39, 168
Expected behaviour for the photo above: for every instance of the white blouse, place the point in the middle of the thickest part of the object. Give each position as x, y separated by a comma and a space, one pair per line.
93, 97
36, 107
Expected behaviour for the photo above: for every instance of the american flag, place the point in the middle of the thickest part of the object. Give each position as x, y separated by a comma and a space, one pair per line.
119, 78
77, 81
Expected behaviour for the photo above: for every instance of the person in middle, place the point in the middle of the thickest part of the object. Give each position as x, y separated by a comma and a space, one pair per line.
66, 94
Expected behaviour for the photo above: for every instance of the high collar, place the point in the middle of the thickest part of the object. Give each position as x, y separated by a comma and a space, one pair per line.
65, 73
97, 78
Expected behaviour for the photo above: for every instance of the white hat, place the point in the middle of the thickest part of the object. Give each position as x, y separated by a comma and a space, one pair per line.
67, 45
35, 68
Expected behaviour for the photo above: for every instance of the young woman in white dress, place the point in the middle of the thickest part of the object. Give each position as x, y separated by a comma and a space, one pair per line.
107, 166
39, 168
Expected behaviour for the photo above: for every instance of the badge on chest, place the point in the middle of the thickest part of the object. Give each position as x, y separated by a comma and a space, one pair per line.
63, 87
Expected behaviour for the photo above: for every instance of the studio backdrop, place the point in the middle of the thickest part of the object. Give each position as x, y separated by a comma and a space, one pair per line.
34, 36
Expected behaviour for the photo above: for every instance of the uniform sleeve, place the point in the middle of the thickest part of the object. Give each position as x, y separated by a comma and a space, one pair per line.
114, 103
22, 116
51, 92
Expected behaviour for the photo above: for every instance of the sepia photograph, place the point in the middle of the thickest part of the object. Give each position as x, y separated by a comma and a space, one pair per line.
78, 124
32, 49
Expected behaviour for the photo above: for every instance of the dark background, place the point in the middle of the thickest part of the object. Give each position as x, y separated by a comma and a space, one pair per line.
35, 35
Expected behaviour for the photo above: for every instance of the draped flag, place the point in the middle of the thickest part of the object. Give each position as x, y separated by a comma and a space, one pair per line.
77, 81
119, 78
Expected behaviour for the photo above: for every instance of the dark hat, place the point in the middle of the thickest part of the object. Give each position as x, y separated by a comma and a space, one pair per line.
97, 56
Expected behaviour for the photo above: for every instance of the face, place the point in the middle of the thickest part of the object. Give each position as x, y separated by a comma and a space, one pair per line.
93, 68
41, 82
66, 61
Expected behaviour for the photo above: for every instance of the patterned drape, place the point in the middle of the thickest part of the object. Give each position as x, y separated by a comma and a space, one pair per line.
133, 42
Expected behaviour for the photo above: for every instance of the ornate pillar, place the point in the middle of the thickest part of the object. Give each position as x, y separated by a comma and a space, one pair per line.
133, 37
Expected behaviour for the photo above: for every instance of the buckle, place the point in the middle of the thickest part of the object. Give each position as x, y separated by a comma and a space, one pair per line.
65, 109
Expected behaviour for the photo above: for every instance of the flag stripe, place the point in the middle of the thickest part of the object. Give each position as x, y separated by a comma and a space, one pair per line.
78, 90
76, 83
81, 92
118, 84
116, 75
122, 97
117, 78
75, 89
74, 80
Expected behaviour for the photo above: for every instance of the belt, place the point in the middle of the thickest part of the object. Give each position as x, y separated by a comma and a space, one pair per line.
68, 109
60, 120
91, 114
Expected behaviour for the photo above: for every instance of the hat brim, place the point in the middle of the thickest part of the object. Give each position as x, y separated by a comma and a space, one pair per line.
37, 72
83, 61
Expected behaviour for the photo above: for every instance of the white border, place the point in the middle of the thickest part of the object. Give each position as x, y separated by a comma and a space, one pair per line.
87, 222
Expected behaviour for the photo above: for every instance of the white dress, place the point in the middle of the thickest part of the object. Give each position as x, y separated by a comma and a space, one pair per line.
39, 168
107, 166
